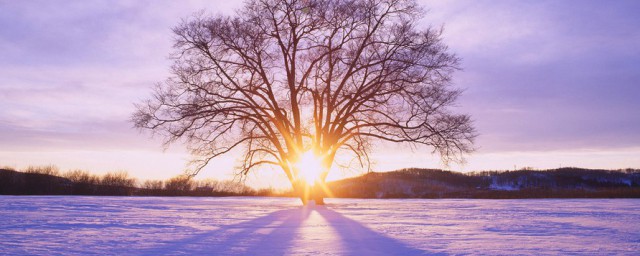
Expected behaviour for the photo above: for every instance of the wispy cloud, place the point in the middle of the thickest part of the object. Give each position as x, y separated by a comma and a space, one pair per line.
568, 68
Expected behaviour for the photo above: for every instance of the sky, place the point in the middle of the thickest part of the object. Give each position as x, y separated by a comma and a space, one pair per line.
548, 84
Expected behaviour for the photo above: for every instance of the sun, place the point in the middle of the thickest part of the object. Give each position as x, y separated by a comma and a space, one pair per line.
310, 167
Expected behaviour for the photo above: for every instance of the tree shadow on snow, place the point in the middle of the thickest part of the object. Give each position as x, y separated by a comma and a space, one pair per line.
267, 235
357, 239
273, 235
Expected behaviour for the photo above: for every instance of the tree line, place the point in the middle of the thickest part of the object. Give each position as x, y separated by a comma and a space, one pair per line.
405, 183
48, 180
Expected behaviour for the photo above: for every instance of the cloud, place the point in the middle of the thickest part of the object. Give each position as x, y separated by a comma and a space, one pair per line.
543, 75
71, 71
93, 32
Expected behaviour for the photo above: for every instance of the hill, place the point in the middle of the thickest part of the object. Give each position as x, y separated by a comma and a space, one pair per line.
431, 183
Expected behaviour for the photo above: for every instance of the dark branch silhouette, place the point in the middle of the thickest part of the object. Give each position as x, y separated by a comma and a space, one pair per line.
284, 77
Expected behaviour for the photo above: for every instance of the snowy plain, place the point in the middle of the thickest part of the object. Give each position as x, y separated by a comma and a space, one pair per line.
63, 225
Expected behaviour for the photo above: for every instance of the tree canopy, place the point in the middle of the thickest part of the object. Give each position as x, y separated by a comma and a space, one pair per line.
284, 77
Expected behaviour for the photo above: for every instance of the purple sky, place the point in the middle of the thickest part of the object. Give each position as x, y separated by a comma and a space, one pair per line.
548, 83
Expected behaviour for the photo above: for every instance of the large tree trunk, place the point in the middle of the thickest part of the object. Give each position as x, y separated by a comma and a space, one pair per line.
317, 193
302, 191
308, 193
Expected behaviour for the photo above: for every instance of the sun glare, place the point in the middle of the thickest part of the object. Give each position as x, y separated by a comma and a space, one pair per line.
310, 167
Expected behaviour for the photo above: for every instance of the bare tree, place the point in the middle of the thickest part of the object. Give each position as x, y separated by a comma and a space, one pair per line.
285, 77
117, 183
179, 186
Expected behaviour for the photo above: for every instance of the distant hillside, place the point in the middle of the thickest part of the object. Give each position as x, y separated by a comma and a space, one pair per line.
430, 183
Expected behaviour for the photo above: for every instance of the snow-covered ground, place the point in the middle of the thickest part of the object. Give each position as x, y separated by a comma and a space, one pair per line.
54, 225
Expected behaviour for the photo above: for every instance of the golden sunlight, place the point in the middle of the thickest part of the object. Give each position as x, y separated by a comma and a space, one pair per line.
310, 167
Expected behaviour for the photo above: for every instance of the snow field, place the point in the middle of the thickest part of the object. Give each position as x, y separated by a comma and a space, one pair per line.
68, 225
